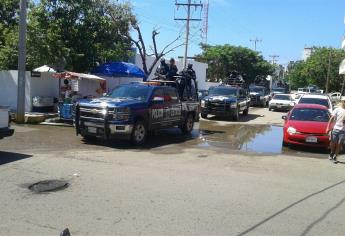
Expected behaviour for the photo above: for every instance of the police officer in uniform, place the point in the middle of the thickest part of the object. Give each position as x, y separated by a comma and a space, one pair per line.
172, 70
162, 70
190, 75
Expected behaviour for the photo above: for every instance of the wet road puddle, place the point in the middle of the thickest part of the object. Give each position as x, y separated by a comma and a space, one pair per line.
250, 138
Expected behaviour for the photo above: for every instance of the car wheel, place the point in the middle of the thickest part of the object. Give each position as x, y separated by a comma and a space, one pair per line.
236, 117
139, 133
204, 115
188, 125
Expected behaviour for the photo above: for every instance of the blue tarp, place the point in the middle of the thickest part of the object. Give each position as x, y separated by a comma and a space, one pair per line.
119, 69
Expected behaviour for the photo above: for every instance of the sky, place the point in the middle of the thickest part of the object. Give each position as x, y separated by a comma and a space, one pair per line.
284, 26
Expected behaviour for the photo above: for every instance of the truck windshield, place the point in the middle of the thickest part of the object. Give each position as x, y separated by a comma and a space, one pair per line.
282, 90
257, 90
131, 92
223, 91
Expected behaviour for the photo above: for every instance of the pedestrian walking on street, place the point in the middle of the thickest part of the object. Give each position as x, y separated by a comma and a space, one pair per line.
337, 134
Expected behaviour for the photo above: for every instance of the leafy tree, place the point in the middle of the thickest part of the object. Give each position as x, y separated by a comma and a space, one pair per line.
8, 34
76, 34
314, 71
222, 59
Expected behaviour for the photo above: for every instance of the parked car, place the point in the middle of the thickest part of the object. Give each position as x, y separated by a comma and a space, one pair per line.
279, 90
306, 125
132, 111
323, 100
5, 122
335, 97
282, 102
225, 101
259, 96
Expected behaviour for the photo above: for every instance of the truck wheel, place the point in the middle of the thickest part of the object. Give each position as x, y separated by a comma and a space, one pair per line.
236, 117
89, 138
139, 133
188, 125
204, 116
246, 111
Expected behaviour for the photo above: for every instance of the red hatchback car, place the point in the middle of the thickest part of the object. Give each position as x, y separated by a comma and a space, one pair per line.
306, 125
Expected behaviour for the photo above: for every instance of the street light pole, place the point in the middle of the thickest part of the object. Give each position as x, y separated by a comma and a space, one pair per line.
21, 63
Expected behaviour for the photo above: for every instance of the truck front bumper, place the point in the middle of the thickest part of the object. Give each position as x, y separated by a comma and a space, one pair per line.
6, 132
225, 112
113, 130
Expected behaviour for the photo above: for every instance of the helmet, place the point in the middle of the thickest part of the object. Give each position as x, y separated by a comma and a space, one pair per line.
162, 60
172, 59
190, 66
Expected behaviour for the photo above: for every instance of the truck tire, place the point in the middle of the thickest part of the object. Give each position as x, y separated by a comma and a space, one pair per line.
188, 125
236, 117
89, 138
246, 111
204, 116
139, 133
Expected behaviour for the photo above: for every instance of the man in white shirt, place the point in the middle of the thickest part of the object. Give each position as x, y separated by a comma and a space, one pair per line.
337, 134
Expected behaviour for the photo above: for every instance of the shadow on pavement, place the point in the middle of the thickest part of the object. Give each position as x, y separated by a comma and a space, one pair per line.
243, 118
295, 204
159, 139
8, 157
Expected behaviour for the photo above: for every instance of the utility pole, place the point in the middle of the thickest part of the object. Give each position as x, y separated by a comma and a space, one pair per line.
256, 40
21, 63
188, 19
205, 25
328, 71
274, 58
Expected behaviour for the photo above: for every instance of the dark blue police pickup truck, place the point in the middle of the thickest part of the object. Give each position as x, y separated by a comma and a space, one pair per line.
132, 111
225, 101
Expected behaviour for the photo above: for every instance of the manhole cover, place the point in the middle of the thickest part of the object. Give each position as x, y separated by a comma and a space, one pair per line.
48, 186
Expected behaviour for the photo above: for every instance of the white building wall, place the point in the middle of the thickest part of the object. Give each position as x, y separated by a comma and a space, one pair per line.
36, 86
199, 67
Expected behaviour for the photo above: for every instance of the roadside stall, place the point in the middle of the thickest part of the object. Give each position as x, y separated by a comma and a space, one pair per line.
74, 86
117, 73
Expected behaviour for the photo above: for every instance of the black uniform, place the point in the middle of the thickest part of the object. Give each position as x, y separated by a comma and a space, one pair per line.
172, 72
162, 70
190, 75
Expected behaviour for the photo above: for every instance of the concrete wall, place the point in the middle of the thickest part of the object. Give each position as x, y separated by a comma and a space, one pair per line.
36, 86
200, 69
9, 87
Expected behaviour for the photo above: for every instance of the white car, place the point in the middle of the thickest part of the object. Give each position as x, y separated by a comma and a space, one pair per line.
319, 99
5, 120
335, 97
281, 102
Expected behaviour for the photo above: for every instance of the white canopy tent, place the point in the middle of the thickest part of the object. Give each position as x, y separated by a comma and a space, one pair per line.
44, 68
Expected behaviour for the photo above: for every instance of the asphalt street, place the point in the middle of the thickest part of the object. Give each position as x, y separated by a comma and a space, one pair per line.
224, 179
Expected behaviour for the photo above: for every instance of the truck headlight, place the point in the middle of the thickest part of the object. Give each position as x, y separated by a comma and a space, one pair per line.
233, 105
122, 113
203, 104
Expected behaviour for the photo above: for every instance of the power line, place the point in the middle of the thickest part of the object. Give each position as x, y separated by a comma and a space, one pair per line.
188, 19
256, 40
274, 58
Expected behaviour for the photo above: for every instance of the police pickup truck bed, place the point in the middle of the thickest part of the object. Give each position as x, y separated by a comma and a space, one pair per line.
225, 101
5, 120
132, 111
